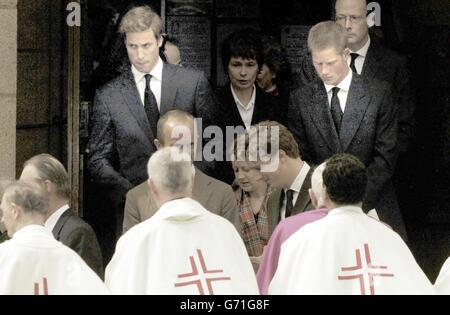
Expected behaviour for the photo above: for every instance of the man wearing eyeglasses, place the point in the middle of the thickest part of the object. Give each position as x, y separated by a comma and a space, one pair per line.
374, 61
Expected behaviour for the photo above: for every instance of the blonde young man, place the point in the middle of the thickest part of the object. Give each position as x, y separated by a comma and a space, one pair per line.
341, 113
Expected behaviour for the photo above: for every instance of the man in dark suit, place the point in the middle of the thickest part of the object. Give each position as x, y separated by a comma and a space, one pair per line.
373, 61
241, 103
65, 226
211, 193
126, 109
342, 113
286, 172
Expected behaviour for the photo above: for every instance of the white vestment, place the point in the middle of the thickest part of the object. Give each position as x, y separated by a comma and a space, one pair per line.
442, 283
347, 252
33, 262
182, 249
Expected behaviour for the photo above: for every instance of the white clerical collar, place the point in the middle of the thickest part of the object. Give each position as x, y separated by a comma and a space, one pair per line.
363, 50
182, 209
344, 85
53, 219
29, 230
298, 181
346, 210
156, 72
238, 102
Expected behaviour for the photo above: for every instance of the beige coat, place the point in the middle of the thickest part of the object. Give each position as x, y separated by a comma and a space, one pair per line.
211, 193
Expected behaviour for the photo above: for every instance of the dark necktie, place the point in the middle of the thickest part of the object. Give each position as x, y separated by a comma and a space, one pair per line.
336, 111
289, 203
150, 105
352, 62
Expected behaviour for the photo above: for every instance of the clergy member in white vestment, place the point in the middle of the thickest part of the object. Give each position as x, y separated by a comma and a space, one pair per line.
183, 248
347, 252
442, 284
33, 262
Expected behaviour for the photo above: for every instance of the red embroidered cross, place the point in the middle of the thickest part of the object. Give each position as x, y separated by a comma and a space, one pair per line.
36, 287
371, 271
195, 272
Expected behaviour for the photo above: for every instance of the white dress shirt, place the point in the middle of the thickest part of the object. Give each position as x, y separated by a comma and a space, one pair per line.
51, 221
296, 186
359, 61
155, 82
344, 87
246, 111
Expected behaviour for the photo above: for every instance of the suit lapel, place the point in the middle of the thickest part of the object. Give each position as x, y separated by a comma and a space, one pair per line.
60, 223
372, 62
303, 198
321, 117
355, 108
274, 209
168, 88
201, 182
134, 102
259, 111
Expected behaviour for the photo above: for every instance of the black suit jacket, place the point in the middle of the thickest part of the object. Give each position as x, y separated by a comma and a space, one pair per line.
383, 64
303, 203
369, 131
226, 113
121, 139
73, 232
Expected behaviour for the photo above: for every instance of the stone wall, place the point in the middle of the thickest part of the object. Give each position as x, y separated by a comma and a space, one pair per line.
8, 87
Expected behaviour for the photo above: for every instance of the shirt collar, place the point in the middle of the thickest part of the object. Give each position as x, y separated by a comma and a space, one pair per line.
298, 181
155, 73
53, 219
30, 229
238, 102
343, 85
363, 51
346, 210
184, 209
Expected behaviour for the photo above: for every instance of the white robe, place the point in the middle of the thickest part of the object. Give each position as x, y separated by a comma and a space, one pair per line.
33, 262
442, 284
347, 252
182, 249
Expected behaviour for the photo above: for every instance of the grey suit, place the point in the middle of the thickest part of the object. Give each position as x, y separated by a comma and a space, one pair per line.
302, 204
122, 140
73, 232
369, 131
212, 194
386, 65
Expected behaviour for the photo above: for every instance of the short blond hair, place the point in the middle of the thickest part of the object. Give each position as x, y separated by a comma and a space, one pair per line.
328, 34
140, 19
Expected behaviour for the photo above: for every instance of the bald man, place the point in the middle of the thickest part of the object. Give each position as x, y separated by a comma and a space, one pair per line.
212, 194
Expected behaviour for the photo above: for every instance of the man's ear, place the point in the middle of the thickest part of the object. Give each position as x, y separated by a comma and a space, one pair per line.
152, 188
160, 40
15, 209
157, 144
282, 154
313, 197
346, 53
371, 19
49, 186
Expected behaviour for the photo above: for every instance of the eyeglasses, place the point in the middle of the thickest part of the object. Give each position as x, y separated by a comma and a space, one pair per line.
353, 19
